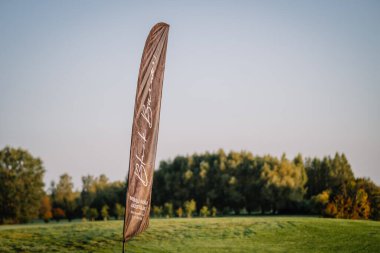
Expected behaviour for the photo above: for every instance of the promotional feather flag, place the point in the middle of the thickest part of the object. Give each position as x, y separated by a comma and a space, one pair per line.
145, 126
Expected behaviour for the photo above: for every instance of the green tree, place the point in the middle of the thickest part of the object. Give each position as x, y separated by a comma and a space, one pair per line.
64, 197
283, 184
240, 181
104, 212
204, 212
341, 172
213, 212
106, 193
85, 213
327, 174
21, 185
234, 180
318, 173
157, 211
190, 207
93, 214
119, 211
168, 210
88, 192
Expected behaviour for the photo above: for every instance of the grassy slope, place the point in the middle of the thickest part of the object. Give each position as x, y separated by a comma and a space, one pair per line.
256, 234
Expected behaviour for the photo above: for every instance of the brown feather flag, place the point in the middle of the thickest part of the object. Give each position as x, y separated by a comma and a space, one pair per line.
145, 132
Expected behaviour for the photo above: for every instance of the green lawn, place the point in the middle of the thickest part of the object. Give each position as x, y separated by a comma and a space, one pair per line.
252, 234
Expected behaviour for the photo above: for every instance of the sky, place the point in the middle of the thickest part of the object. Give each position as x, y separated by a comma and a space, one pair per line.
269, 77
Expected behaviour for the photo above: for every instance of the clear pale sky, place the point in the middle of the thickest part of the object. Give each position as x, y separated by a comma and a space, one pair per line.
267, 77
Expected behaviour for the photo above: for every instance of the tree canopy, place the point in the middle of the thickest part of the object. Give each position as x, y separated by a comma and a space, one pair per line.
21, 185
206, 184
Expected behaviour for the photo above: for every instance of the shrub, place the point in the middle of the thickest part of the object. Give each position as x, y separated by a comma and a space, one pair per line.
119, 211
93, 213
157, 211
320, 201
58, 214
330, 210
168, 210
213, 211
104, 212
204, 212
190, 207
179, 212
85, 212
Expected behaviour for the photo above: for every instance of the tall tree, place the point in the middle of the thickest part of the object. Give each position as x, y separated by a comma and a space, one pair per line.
341, 172
45, 209
64, 196
373, 192
88, 192
284, 183
21, 185
327, 174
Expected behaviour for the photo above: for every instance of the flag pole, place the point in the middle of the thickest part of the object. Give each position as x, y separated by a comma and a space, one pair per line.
127, 183
126, 192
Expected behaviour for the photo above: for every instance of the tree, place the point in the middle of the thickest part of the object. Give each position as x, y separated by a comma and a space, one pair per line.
45, 209
350, 202
85, 212
330, 210
327, 174
190, 207
318, 174
373, 192
283, 184
168, 210
213, 212
157, 211
320, 201
119, 211
238, 180
99, 192
104, 212
204, 212
179, 212
341, 172
361, 206
93, 214
64, 197
21, 185
250, 184
88, 192
58, 214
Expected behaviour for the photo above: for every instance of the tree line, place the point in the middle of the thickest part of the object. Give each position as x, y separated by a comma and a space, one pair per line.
239, 182
208, 184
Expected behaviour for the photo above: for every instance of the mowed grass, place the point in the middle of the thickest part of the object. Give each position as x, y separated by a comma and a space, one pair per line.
248, 234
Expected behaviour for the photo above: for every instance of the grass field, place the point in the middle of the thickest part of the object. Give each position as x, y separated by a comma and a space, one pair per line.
251, 234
